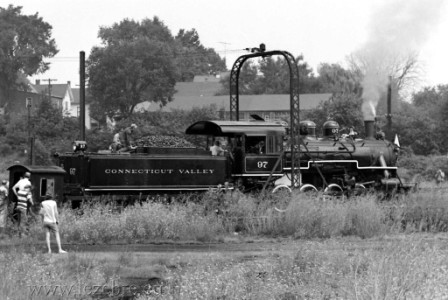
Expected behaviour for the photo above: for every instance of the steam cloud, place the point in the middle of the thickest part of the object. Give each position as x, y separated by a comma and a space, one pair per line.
396, 30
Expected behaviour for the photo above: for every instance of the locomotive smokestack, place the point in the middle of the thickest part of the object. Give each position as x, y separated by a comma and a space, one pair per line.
369, 126
389, 108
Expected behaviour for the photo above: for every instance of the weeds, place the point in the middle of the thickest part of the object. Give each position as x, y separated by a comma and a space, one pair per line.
214, 216
319, 270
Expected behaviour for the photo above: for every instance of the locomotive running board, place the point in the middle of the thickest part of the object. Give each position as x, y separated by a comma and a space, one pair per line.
344, 162
256, 175
152, 189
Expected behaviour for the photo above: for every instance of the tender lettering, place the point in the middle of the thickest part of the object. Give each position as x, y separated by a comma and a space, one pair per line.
138, 171
160, 171
196, 171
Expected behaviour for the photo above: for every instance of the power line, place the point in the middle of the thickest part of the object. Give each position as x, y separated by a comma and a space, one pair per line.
196, 55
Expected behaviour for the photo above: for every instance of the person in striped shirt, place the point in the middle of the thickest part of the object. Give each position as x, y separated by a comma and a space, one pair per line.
23, 198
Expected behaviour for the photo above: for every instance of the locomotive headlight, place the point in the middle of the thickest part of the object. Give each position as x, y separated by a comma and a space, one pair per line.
79, 146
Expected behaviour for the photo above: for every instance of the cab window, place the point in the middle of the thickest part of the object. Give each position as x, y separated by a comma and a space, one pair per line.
255, 144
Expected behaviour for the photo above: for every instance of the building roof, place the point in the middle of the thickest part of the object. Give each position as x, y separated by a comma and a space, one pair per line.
246, 102
57, 90
210, 78
76, 95
197, 89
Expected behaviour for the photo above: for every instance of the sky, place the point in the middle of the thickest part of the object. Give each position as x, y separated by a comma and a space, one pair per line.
323, 31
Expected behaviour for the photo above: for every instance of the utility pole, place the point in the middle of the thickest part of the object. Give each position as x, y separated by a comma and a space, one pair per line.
225, 49
82, 94
28, 103
49, 86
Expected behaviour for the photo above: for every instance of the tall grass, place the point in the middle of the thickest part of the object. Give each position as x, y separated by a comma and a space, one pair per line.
217, 215
308, 216
425, 211
396, 270
327, 269
148, 221
27, 274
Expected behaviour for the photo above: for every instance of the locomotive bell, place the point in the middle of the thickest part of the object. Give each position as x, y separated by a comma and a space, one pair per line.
308, 128
330, 128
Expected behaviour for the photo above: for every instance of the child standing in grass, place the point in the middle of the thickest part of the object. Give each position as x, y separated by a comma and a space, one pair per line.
50, 218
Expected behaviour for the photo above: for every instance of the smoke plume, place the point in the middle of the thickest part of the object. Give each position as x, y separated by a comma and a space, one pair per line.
397, 30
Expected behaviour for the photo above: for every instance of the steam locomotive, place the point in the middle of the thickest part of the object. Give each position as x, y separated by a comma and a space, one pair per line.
258, 155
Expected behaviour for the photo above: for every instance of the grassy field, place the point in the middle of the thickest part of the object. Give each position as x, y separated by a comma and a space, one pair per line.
362, 248
399, 267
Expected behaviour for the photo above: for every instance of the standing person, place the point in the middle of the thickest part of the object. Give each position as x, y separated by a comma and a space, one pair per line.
22, 183
3, 205
440, 176
22, 190
23, 198
50, 219
216, 149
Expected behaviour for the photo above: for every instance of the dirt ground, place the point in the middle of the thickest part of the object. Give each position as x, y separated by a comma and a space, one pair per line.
237, 244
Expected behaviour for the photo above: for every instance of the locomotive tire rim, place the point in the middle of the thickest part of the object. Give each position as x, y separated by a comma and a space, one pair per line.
332, 191
333, 188
308, 188
279, 188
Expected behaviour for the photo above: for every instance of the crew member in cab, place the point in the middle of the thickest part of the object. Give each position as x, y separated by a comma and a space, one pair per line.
216, 149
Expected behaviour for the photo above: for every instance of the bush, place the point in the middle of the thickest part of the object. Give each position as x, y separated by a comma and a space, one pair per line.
5, 149
424, 166
98, 140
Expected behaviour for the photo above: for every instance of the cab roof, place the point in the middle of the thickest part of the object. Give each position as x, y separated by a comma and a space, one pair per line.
37, 169
230, 128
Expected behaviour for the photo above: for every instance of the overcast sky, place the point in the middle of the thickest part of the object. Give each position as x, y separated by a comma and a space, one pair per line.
321, 30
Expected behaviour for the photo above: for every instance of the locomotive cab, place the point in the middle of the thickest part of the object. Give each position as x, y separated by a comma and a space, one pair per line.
255, 147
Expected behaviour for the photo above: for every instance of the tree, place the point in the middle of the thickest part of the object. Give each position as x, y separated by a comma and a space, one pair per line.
333, 78
416, 130
136, 64
272, 76
247, 80
24, 43
342, 108
431, 104
405, 69
193, 58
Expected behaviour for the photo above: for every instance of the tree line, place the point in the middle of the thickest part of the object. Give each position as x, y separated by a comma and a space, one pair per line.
141, 61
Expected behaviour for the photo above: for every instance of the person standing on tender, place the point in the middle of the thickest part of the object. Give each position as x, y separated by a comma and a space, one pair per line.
50, 218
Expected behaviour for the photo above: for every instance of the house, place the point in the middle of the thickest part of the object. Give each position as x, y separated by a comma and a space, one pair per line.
61, 91
18, 101
69, 99
75, 108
